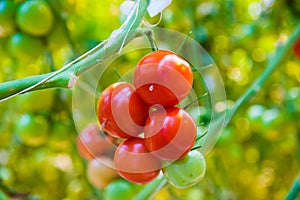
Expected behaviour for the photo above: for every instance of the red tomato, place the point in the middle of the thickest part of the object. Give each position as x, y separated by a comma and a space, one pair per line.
91, 143
121, 111
162, 77
170, 134
296, 48
134, 163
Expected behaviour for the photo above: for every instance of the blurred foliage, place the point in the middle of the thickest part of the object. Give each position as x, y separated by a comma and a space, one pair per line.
256, 157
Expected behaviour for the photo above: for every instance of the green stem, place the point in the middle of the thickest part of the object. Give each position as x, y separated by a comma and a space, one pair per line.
294, 191
150, 189
66, 76
12, 87
151, 40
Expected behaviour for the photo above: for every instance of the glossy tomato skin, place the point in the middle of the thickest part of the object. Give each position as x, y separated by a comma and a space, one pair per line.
296, 48
121, 111
162, 77
92, 143
170, 133
134, 163
187, 171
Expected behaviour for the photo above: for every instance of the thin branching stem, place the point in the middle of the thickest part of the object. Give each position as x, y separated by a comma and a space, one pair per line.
66, 76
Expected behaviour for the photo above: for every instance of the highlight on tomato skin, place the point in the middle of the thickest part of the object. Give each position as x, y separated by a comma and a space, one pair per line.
170, 133
121, 112
163, 77
134, 163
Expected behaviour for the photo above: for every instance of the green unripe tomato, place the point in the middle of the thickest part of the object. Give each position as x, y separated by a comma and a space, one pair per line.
25, 47
187, 171
7, 21
35, 17
32, 130
119, 189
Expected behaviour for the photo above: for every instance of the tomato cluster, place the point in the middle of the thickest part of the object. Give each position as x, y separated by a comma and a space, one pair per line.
27, 26
146, 116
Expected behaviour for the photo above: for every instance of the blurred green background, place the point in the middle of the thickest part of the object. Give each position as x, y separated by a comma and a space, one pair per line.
256, 157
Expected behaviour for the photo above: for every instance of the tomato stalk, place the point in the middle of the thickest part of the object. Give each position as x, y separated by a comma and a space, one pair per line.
151, 40
66, 76
151, 189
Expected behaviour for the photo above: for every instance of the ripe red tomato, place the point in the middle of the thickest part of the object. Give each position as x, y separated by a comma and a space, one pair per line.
134, 163
121, 111
296, 48
162, 77
91, 143
170, 134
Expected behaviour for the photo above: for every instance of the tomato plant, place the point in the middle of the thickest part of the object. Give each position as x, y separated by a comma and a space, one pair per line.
187, 171
170, 133
100, 173
35, 17
32, 130
121, 112
156, 74
90, 142
257, 145
134, 163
